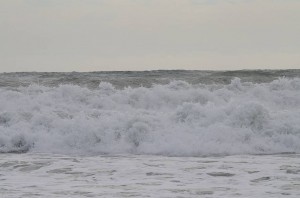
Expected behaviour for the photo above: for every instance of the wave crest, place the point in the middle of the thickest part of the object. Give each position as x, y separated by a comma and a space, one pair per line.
178, 119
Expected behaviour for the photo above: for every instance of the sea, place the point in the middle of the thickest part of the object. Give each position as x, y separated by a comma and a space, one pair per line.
163, 133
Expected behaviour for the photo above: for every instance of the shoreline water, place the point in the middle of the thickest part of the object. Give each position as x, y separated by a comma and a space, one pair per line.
47, 175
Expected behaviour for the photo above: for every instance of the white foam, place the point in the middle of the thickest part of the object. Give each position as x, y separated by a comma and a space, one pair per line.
177, 119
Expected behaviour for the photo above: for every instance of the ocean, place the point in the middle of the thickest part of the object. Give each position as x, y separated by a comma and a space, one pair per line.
166, 133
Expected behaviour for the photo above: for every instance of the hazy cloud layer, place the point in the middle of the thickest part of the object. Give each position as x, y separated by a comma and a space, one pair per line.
68, 35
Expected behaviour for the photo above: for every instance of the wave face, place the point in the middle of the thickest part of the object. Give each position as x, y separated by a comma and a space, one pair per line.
175, 119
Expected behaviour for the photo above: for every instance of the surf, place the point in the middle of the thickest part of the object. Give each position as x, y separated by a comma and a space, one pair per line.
173, 119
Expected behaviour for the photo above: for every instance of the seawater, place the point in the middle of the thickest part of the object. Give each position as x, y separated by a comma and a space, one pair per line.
169, 113
150, 134
51, 175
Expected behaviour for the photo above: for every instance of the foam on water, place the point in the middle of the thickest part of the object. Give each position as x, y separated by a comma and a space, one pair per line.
177, 119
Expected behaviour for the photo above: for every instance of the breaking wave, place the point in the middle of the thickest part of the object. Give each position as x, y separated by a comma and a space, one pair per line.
175, 119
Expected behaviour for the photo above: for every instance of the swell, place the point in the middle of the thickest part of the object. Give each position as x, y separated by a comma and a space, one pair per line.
121, 79
177, 118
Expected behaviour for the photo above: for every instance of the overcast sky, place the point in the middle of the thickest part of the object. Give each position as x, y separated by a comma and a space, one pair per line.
95, 35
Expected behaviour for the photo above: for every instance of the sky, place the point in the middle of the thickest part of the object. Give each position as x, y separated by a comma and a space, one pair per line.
105, 35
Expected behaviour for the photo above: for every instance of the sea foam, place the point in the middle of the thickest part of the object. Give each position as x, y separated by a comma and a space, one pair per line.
175, 119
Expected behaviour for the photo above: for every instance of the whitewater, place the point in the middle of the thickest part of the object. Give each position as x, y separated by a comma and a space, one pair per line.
172, 119
151, 133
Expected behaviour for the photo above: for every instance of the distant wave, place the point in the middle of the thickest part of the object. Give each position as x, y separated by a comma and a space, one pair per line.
122, 79
176, 119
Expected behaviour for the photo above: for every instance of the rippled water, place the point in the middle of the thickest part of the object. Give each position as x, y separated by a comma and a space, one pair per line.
48, 175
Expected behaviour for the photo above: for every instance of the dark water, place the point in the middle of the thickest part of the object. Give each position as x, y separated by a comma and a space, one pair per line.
122, 79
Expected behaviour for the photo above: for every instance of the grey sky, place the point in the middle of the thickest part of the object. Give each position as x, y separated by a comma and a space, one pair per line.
93, 35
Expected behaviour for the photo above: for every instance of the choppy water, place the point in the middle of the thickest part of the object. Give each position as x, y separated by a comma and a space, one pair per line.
140, 78
171, 113
150, 134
